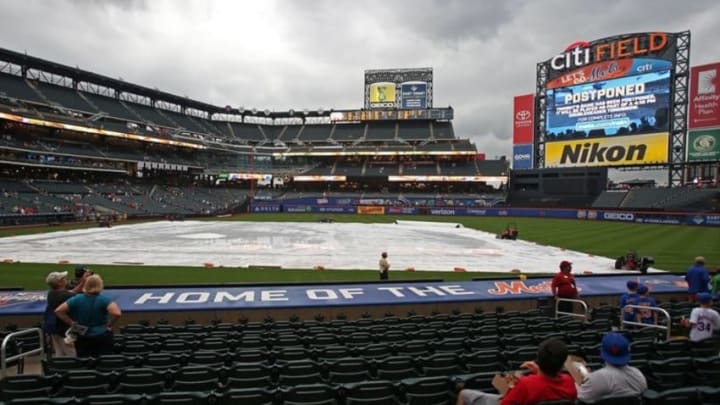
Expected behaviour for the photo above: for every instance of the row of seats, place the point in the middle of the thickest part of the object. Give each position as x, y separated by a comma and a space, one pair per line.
416, 391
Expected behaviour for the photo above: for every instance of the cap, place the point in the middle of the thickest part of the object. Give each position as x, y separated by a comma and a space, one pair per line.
565, 263
615, 349
632, 285
699, 259
704, 298
55, 277
80, 270
642, 289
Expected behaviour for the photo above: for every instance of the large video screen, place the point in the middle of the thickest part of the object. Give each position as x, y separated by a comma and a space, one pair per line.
629, 105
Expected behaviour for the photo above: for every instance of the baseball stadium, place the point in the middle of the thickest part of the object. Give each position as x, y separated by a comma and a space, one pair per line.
355, 256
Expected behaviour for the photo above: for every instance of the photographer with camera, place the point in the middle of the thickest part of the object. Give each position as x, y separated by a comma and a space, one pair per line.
91, 316
59, 293
81, 273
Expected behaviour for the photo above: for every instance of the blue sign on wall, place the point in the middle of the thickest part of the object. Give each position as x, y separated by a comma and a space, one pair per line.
522, 157
276, 297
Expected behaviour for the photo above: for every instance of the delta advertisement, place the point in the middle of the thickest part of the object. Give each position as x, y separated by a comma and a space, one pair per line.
523, 119
522, 157
704, 108
382, 95
624, 106
413, 95
703, 145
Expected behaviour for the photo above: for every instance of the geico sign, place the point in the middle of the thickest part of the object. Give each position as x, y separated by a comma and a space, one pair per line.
583, 53
616, 151
619, 216
522, 156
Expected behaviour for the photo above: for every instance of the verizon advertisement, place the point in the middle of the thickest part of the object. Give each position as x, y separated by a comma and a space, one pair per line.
523, 119
704, 96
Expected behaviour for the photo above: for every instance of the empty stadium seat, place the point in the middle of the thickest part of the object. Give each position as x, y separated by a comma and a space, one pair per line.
248, 396
348, 370
396, 368
313, 394
370, 392
25, 386
427, 391
141, 381
250, 375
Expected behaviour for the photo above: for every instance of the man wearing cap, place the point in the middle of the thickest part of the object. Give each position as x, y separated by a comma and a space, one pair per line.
646, 316
58, 294
617, 378
563, 286
703, 319
629, 298
697, 278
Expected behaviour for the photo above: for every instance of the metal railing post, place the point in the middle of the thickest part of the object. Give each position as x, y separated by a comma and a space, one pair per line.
3, 348
667, 328
582, 303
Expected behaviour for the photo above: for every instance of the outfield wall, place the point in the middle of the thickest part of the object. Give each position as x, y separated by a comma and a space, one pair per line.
644, 217
204, 303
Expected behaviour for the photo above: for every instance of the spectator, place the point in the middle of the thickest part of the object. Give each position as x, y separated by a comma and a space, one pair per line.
93, 315
703, 319
80, 271
715, 282
58, 294
697, 278
644, 299
563, 286
546, 383
384, 266
617, 378
629, 298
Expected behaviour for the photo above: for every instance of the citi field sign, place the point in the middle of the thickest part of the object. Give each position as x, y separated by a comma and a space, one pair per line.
660, 45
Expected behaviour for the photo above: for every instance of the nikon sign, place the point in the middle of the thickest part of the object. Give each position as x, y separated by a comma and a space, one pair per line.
611, 151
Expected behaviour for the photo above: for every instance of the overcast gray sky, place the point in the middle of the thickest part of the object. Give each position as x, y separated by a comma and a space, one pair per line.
309, 54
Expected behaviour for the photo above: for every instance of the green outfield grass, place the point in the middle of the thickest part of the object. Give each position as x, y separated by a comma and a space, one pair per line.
673, 248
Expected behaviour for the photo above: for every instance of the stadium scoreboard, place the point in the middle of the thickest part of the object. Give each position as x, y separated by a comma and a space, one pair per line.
608, 102
399, 88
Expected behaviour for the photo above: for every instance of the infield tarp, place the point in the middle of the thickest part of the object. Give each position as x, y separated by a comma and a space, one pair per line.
338, 295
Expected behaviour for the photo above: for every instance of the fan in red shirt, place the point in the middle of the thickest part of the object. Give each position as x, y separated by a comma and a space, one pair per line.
563, 286
546, 383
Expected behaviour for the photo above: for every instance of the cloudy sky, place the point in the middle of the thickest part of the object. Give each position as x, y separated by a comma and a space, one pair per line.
309, 54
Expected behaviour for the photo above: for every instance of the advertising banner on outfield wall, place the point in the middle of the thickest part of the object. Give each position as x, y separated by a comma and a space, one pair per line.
704, 106
523, 119
614, 151
202, 298
703, 145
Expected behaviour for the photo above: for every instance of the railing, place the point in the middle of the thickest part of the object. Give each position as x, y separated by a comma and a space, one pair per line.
623, 322
3, 348
583, 304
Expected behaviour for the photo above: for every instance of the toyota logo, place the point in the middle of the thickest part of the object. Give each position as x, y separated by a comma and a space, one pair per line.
522, 115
